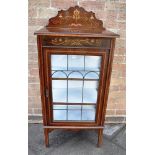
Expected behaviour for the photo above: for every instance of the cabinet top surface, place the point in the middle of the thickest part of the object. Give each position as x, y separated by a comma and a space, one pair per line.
75, 21
55, 32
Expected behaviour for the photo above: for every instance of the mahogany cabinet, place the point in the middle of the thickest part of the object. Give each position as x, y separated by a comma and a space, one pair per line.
75, 55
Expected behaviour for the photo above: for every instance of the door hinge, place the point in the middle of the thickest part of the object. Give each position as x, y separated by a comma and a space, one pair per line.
46, 93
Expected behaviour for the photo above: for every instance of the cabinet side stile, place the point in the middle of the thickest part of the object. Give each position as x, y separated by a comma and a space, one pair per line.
42, 80
107, 83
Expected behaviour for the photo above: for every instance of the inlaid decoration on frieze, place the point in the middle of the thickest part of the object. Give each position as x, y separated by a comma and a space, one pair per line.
74, 41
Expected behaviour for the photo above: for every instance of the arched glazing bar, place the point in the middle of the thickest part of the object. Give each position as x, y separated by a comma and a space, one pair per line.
95, 73
75, 75
55, 72
72, 72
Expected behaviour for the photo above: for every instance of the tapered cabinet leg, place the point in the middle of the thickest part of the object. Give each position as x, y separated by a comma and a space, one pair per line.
46, 137
100, 137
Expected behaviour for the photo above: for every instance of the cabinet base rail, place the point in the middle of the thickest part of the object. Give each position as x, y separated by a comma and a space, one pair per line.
73, 127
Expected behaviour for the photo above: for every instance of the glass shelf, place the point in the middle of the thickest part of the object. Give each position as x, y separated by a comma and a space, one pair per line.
75, 80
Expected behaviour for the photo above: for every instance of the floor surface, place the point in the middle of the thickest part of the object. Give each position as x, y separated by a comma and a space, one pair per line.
77, 143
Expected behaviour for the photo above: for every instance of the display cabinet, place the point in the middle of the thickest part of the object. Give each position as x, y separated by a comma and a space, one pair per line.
75, 54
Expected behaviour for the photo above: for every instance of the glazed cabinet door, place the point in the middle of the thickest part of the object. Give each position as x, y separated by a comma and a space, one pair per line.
75, 85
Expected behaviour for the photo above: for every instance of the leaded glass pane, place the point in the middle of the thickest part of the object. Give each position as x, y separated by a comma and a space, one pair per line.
75, 80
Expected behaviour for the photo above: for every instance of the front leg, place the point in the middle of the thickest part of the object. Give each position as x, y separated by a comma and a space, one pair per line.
46, 137
100, 137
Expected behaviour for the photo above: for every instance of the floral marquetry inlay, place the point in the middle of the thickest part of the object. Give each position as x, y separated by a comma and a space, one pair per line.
76, 42
76, 17
66, 41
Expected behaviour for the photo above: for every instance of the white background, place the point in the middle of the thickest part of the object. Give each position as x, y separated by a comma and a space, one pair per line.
140, 77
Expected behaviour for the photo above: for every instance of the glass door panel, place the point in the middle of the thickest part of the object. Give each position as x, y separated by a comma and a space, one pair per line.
74, 91
59, 62
59, 90
92, 63
75, 80
88, 115
74, 115
60, 115
75, 62
90, 91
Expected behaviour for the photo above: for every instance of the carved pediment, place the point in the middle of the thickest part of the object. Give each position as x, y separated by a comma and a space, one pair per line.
76, 18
